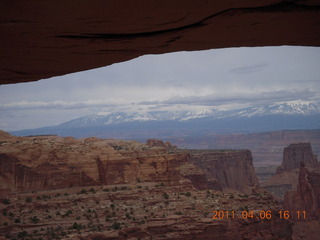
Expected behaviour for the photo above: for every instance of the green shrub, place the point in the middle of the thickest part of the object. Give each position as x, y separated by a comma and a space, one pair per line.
83, 191
165, 195
22, 234
4, 212
67, 213
116, 225
77, 226
6, 201
35, 219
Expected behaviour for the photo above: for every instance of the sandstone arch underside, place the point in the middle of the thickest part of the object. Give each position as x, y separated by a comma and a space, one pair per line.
41, 39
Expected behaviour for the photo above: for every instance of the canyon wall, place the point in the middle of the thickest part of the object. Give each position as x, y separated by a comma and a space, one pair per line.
306, 197
295, 154
230, 169
52, 162
288, 175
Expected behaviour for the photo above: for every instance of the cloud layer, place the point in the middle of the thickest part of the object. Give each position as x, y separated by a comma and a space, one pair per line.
224, 78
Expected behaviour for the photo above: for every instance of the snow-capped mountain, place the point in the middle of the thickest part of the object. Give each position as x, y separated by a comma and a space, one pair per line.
164, 124
291, 108
123, 117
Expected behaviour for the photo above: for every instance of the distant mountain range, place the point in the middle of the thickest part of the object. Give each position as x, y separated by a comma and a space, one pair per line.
168, 124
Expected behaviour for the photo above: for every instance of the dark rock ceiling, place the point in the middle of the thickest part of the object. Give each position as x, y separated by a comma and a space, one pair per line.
40, 39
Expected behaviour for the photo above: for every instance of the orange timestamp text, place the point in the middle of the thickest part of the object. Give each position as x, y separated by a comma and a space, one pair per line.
261, 214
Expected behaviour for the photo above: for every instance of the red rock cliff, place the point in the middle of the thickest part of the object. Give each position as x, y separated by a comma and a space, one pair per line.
51, 162
231, 169
307, 195
295, 154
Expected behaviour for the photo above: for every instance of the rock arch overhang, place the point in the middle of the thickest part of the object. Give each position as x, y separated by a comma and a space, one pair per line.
41, 39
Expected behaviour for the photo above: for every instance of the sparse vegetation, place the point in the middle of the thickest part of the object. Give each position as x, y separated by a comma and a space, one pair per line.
6, 201
83, 191
243, 195
116, 225
244, 208
115, 210
35, 219
165, 195
77, 226
69, 212
188, 194
118, 147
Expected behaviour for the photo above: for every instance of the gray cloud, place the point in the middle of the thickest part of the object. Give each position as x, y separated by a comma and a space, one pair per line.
32, 105
249, 68
214, 78
240, 98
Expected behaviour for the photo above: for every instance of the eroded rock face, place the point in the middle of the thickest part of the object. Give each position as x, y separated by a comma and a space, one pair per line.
295, 154
307, 195
51, 162
41, 39
159, 143
287, 175
231, 169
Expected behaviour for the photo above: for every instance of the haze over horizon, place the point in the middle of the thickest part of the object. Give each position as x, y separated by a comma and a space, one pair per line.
213, 79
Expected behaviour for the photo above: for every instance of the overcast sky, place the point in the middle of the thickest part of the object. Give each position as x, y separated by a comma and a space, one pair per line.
214, 79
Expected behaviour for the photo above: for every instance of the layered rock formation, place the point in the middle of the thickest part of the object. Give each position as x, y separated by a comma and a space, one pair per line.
229, 169
295, 154
159, 143
41, 39
51, 162
286, 177
306, 197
